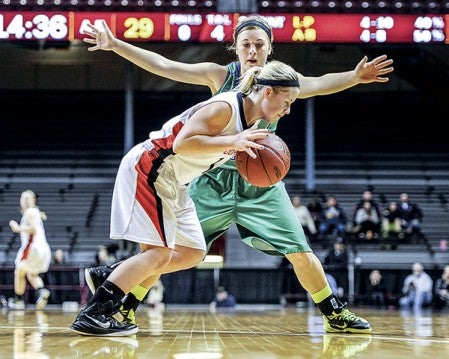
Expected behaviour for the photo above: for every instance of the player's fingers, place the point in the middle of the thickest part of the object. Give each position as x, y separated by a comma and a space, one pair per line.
384, 64
89, 41
93, 48
258, 133
379, 59
92, 27
250, 152
90, 33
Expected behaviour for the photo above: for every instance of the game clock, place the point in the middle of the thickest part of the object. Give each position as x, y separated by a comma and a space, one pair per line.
33, 26
218, 27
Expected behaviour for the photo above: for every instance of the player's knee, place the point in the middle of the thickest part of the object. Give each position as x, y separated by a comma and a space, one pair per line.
192, 257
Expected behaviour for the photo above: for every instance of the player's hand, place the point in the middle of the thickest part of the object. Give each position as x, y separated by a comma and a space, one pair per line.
245, 140
374, 70
14, 226
102, 39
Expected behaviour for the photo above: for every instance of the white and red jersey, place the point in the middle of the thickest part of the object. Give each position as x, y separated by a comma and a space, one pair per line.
187, 167
150, 203
34, 251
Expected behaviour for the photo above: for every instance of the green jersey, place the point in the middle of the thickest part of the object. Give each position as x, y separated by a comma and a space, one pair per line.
264, 217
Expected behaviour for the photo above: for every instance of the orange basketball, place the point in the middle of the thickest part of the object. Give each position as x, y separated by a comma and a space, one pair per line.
270, 166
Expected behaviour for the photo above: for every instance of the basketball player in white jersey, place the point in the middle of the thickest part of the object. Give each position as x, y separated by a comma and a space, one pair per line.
34, 254
151, 204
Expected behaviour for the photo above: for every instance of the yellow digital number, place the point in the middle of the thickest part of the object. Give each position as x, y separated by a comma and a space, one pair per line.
138, 28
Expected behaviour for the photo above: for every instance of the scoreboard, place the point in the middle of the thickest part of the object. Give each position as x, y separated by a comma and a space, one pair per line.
218, 27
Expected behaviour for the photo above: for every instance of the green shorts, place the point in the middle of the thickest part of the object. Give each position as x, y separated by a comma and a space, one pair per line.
265, 217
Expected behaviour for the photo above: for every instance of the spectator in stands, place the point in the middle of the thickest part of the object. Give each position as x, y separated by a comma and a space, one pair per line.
105, 256
337, 257
253, 40
304, 216
417, 289
315, 208
333, 219
391, 222
367, 222
34, 255
367, 196
58, 276
222, 299
441, 290
336, 263
376, 290
411, 215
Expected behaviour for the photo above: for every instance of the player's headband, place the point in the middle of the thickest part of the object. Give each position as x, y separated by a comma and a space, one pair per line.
278, 83
254, 23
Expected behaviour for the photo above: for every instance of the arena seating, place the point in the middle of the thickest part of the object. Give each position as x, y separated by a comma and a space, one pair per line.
76, 194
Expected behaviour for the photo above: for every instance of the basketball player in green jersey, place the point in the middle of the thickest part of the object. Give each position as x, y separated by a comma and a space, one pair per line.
265, 217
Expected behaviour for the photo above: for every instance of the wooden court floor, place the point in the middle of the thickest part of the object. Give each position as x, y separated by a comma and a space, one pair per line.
245, 333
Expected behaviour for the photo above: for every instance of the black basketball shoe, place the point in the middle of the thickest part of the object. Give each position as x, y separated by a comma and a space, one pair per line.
97, 320
95, 276
344, 321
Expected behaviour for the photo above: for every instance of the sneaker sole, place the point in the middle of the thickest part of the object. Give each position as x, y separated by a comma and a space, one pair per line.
348, 330
124, 333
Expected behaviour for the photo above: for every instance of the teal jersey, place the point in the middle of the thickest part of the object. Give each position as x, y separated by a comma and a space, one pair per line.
265, 217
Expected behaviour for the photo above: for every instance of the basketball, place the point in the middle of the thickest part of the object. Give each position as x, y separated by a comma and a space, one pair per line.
271, 164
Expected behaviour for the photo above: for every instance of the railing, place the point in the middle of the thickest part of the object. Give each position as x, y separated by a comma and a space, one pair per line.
58, 278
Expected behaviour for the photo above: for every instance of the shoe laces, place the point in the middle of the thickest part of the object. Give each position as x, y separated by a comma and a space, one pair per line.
348, 315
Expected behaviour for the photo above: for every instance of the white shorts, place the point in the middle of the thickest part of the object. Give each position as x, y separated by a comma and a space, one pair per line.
34, 260
159, 212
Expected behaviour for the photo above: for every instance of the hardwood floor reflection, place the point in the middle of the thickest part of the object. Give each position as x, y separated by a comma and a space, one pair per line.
246, 333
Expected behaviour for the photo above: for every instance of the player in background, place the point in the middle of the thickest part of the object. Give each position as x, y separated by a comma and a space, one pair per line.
150, 202
257, 212
34, 254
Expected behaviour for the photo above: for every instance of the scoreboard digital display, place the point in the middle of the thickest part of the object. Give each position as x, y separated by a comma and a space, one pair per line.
218, 27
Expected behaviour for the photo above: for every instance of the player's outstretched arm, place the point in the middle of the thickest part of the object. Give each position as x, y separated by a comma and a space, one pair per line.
365, 72
203, 73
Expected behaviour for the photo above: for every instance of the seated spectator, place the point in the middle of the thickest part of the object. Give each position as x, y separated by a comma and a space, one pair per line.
417, 289
367, 222
377, 291
304, 216
333, 219
391, 222
222, 299
335, 263
105, 256
315, 208
411, 215
441, 291
367, 196
58, 276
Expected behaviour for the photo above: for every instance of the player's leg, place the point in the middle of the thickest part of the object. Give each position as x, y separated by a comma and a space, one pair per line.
97, 318
38, 262
268, 221
20, 272
42, 293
